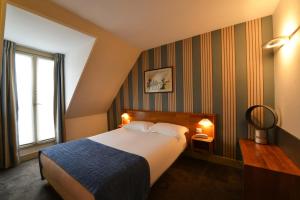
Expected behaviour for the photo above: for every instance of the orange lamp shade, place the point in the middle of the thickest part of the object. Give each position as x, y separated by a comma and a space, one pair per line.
125, 118
205, 123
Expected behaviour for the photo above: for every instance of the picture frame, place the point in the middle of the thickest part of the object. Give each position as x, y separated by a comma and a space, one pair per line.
158, 80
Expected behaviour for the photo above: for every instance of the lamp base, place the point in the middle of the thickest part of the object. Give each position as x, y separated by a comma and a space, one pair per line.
261, 137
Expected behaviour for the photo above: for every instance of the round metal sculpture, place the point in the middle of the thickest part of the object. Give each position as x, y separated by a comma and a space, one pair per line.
261, 130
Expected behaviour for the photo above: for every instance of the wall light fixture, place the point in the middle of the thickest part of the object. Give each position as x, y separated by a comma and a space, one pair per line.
279, 41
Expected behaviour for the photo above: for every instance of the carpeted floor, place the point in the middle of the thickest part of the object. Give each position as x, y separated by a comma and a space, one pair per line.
186, 179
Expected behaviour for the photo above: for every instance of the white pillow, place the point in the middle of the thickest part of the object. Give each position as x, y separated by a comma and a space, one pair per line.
169, 129
139, 125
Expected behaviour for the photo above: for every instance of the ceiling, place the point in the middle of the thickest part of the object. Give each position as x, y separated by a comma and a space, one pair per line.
150, 23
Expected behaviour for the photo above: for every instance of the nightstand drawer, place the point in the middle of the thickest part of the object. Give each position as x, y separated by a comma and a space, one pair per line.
201, 145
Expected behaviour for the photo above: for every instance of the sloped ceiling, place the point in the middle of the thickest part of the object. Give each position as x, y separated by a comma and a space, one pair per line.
107, 66
150, 23
51, 37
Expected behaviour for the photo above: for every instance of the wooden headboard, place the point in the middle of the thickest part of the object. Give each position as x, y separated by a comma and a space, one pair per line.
189, 120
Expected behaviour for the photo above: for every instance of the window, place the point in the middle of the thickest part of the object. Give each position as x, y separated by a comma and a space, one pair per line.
35, 93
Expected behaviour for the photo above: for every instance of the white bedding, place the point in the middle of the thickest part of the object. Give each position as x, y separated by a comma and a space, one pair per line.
159, 150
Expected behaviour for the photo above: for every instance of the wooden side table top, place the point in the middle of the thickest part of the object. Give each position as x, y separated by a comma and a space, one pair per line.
269, 157
209, 139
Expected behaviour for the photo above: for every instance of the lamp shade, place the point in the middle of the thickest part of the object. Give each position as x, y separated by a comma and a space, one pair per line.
205, 123
276, 42
280, 41
125, 116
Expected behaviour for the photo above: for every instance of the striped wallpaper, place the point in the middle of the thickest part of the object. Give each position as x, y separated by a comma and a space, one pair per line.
222, 72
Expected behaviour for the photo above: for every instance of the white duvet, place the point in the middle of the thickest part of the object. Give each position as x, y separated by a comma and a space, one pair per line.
159, 150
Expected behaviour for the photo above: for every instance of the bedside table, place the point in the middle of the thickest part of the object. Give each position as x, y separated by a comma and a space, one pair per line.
202, 144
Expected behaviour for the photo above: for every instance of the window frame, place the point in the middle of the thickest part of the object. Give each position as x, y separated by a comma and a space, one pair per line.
35, 54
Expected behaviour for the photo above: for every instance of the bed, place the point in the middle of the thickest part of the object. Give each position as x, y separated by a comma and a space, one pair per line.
158, 150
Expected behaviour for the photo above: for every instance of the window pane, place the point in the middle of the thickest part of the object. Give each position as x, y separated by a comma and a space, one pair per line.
44, 99
24, 81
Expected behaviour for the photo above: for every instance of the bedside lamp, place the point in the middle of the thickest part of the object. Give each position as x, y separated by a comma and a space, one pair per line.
204, 124
204, 137
125, 118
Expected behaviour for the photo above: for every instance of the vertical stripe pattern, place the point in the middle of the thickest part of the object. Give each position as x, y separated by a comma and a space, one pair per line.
217, 85
206, 73
172, 63
126, 94
268, 71
135, 86
179, 76
241, 86
187, 75
196, 52
228, 88
140, 84
221, 72
254, 68
145, 68
119, 113
130, 92
157, 65
151, 67
164, 63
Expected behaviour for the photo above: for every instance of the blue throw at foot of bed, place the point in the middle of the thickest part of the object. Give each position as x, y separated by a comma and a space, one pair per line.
106, 172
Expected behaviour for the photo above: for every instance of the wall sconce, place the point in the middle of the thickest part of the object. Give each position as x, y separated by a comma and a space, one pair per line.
125, 118
279, 41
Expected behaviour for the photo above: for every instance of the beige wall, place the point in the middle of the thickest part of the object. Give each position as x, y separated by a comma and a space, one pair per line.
107, 66
85, 126
287, 66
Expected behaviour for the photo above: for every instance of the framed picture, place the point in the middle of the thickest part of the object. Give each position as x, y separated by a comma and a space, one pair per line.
158, 80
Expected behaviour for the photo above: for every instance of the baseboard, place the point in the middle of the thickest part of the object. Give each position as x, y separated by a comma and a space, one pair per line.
28, 156
31, 152
214, 159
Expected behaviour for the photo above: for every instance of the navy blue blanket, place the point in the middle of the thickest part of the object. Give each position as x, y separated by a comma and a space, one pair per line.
108, 173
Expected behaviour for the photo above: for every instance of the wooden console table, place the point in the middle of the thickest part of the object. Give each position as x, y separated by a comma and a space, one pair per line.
268, 173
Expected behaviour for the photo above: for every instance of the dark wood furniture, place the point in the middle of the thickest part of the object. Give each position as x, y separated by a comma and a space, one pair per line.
268, 173
189, 120
202, 145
